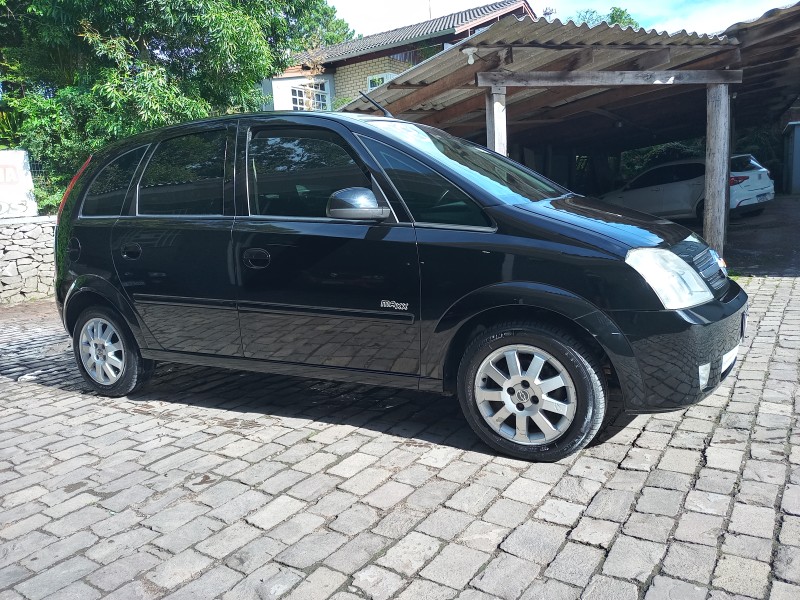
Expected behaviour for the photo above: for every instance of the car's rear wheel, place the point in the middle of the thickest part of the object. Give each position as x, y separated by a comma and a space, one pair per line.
107, 355
531, 391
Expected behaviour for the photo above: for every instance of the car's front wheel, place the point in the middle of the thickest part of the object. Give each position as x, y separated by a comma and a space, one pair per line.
532, 391
107, 354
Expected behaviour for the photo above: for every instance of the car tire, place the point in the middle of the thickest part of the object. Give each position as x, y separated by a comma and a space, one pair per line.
544, 423
107, 354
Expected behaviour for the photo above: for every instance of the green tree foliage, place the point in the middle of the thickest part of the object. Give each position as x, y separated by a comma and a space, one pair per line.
77, 74
616, 16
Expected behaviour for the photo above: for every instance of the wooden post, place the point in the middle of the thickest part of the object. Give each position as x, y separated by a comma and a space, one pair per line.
496, 134
717, 164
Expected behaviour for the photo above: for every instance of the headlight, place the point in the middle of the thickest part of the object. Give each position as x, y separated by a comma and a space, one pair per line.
675, 283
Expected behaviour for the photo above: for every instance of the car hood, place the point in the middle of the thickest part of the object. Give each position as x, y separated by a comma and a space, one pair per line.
627, 227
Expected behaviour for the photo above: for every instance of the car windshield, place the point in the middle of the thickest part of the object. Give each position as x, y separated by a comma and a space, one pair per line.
504, 179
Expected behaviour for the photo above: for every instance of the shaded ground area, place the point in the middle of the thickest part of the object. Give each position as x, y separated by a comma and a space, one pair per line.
766, 244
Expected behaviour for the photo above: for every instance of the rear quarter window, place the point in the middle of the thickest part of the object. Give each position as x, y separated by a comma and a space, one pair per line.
106, 193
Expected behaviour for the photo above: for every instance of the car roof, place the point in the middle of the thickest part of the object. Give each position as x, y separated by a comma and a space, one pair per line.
146, 137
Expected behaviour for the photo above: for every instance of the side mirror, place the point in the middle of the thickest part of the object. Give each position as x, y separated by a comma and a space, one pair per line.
356, 203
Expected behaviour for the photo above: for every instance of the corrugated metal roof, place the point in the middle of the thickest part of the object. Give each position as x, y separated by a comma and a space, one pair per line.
535, 43
408, 34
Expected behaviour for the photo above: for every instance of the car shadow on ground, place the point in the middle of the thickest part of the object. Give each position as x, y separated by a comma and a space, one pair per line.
243, 397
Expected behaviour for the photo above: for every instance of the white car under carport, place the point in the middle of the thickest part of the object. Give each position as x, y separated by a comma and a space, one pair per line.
676, 189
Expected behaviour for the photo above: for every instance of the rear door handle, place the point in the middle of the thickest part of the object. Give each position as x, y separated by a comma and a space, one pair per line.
256, 258
131, 251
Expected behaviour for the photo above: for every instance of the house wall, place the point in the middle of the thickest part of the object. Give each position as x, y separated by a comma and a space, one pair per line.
26, 258
351, 79
280, 89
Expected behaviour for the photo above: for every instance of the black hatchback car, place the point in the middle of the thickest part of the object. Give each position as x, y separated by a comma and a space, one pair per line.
375, 250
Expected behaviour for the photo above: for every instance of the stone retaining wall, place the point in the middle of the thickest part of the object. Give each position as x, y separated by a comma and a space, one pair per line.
26, 258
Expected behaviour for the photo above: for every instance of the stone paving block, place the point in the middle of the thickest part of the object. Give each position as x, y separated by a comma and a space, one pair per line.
757, 493
377, 583
431, 495
576, 489
707, 502
659, 501
550, 589
398, 522
506, 576
122, 571
508, 513
535, 541
680, 461
355, 519
559, 511
455, 565
593, 468
690, 561
318, 586
757, 521
595, 532
611, 505
410, 554
229, 539
209, 585
713, 480
388, 495
357, 552
787, 564
311, 549
631, 558
628, 481
527, 491
791, 500
276, 511
445, 523
575, 564
784, 591
178, 569
747, 547
472, 499
483, 536
602, 587
741, 576
422, 588
665, 588
699, 528
790, 531
724, 459
254, 555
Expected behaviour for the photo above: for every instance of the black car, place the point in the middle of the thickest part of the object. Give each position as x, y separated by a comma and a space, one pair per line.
379, 251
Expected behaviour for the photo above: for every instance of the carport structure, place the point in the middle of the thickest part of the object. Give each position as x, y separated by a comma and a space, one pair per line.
547, 90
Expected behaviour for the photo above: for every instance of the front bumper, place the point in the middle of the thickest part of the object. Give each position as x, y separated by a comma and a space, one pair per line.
681, 355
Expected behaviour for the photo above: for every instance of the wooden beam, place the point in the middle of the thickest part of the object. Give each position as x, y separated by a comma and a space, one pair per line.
605, 78
718, 113
496, 132
460, 77
569, 62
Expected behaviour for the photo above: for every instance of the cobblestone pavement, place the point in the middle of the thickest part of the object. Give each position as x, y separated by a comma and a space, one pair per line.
217, 484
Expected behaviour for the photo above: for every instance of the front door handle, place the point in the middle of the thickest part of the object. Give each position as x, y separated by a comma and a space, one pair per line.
256, 258
131, 251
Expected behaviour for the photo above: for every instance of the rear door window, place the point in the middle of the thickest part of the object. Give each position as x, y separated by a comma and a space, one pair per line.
658, 176
293, 172
107, 192
185, 176
430, 198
